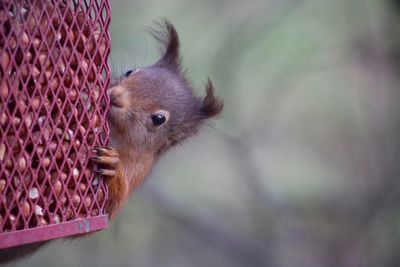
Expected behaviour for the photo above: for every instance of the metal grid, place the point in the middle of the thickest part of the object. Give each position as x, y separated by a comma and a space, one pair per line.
53, 105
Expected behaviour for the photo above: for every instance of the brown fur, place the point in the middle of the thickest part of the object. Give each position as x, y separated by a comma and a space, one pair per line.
136, 97
163, 88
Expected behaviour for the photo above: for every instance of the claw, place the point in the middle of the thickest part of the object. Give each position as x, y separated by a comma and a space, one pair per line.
108, 147
98, 150
106, 172
105, 160
105, 151
108, 158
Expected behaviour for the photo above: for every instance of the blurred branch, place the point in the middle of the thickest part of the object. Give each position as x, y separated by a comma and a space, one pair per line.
249, 252
381, 202
248, 33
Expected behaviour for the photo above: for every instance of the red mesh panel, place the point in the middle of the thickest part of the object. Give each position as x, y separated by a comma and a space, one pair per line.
53, 104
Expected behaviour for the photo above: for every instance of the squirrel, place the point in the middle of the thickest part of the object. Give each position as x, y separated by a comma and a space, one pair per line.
152, 109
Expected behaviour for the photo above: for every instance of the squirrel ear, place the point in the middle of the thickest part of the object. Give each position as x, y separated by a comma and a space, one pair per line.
211, 105
208, 107
169, 39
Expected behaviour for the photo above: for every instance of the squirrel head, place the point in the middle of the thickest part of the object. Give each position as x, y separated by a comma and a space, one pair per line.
154, 108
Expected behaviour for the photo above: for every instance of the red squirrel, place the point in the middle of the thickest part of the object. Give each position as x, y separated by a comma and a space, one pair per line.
152, 109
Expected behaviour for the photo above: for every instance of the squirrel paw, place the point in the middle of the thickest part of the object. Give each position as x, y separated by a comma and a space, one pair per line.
107, 158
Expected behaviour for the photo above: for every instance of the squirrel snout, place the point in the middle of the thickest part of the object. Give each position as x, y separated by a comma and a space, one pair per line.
115, 93
114, 101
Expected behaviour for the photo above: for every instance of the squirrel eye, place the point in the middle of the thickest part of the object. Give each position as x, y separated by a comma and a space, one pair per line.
128, 73
158, 119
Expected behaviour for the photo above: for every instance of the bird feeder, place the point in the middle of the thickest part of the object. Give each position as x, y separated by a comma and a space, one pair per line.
53, 106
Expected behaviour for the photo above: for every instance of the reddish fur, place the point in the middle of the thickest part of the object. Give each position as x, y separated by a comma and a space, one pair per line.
126, 180
117, 189
161, 86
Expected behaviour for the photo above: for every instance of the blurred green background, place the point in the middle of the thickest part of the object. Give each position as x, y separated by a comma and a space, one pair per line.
302, 167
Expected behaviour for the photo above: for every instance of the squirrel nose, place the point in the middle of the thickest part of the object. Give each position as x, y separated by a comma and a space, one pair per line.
114, 94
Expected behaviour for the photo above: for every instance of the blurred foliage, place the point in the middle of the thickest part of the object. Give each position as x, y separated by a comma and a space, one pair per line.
301, 169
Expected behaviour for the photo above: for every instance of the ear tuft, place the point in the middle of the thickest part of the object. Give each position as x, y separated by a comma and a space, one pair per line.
168, 37
211, 106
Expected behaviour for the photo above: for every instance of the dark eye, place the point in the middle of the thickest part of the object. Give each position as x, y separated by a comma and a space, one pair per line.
158, 119
128, 73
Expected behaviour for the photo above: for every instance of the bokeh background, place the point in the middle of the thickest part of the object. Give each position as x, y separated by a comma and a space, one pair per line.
302, 169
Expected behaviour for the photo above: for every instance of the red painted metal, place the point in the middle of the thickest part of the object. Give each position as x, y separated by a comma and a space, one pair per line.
53, 106
79, 226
